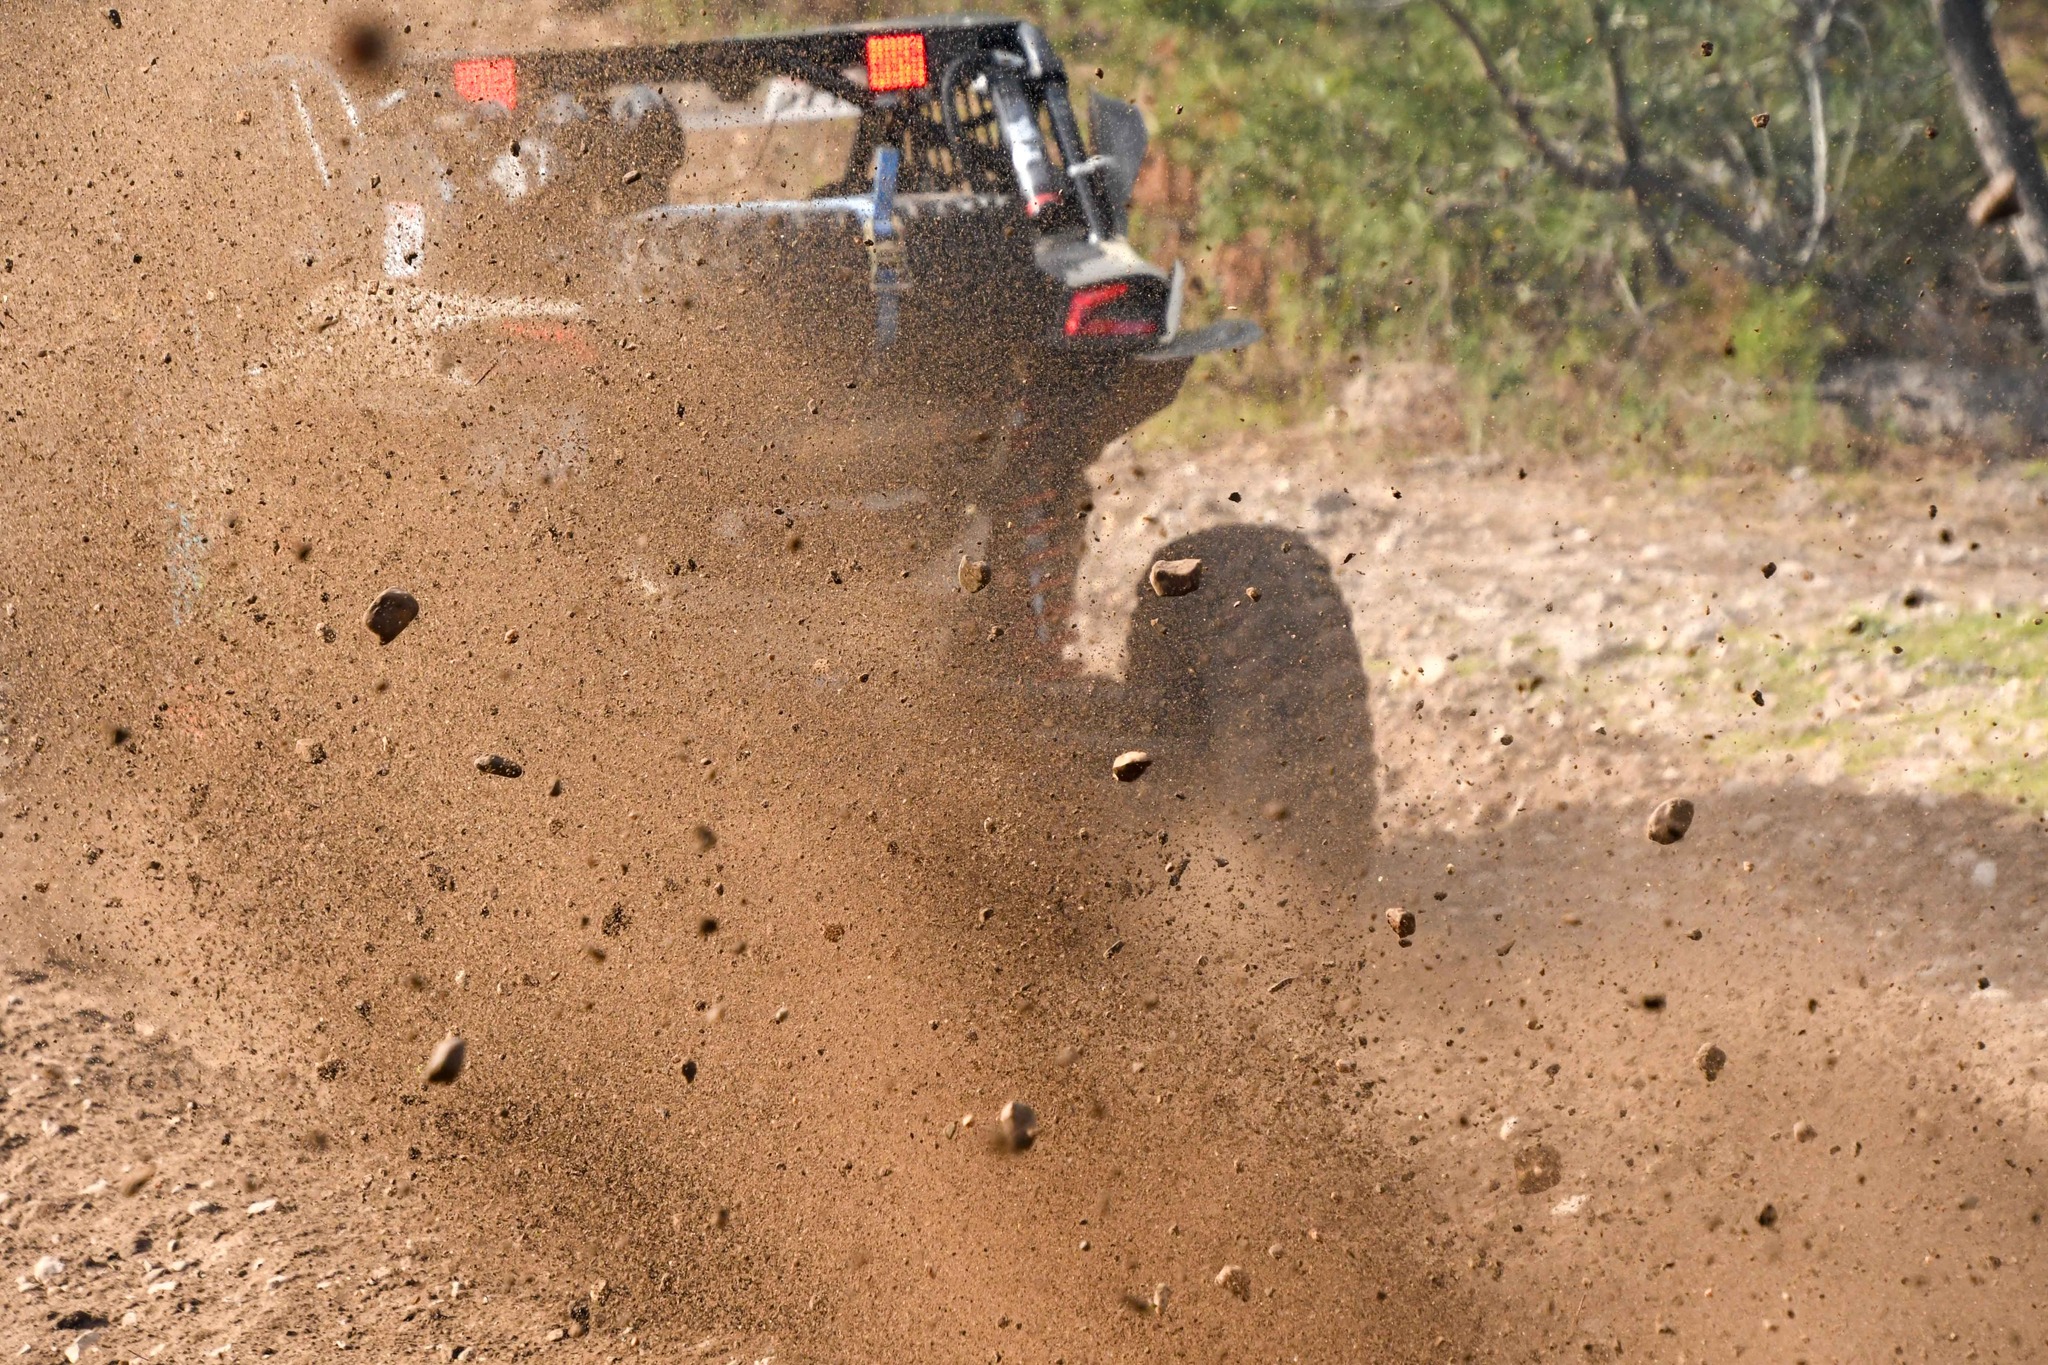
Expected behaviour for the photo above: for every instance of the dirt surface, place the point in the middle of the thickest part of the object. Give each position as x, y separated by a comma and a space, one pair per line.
814, 860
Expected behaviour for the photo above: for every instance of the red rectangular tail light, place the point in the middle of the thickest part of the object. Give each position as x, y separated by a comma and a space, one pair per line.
896, 62
1093, 312
488, 80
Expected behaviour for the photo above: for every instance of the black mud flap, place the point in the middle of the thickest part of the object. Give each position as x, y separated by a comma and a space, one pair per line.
1229, 335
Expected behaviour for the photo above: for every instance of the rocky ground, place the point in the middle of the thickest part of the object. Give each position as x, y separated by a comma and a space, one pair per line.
163, 1206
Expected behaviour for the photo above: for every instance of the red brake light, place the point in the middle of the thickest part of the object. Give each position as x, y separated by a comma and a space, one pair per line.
896, 62
488, 79
1086, 308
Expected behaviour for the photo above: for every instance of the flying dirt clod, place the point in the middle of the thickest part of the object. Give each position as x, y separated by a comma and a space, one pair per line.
392, 612
1017, 1125
1538, 1167
973, 574
1130, 765
1175, 577
497, 765
445, 1065
1669, 822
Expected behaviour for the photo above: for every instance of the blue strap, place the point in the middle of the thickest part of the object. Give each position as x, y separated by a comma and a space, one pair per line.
882, 222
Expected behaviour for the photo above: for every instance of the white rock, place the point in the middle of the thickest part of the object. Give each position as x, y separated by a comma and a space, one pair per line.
47, 1269
262, 1206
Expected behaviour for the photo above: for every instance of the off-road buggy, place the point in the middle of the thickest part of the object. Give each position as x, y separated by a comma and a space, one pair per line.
910, 202
920, 190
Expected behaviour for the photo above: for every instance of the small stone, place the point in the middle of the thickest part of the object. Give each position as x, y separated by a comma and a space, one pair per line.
262, 1206
1710, 1059
1401, 921
446, 1062
1767, 1216
47, 1268
132, 1182
1175, 577
1669, 822
1275, 810
497, 765
1803, 1131
1252, 593
1760, 120
199, 1207
1130, 765
325, 632
781, 1013
392, 612
834, 932
973, 574
310, 751
1017, 1125
1538, 1167
85, 1341
1236, 1279
702, 837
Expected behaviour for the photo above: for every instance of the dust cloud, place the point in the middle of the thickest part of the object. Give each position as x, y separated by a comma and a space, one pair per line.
560, 824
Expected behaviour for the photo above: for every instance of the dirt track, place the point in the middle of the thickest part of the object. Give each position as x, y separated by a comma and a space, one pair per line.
728, 1074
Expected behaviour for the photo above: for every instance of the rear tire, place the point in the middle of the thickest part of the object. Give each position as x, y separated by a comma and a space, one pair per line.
1268, 695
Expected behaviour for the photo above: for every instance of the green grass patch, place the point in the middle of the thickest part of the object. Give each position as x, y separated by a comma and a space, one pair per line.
1955, 703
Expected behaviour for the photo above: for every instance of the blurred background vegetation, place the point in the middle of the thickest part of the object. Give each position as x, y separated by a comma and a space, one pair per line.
1346, 173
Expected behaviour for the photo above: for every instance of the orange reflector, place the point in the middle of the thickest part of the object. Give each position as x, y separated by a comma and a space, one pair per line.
483, 80
896, 62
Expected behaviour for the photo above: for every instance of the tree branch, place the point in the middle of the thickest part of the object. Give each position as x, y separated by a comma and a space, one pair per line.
2004, 141
1629, 135
1817, 114
1650, 182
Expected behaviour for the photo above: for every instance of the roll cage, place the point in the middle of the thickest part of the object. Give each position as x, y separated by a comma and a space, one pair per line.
972, 104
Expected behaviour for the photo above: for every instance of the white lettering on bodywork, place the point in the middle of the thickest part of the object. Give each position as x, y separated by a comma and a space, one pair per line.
306, 123
786, 101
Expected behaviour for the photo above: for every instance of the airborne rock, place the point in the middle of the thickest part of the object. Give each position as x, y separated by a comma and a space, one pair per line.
1236, 1279
1669, 822
446, 1062
1710, 1059
973, 575
1018, 1125
1402, 922
497, 765
310, 751
392, 612
1130, 765
1175, 577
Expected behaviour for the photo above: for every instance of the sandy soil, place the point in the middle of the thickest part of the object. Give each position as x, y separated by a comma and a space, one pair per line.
815, 862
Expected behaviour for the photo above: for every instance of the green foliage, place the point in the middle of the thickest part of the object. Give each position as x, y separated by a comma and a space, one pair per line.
1785, 333
1358, 185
